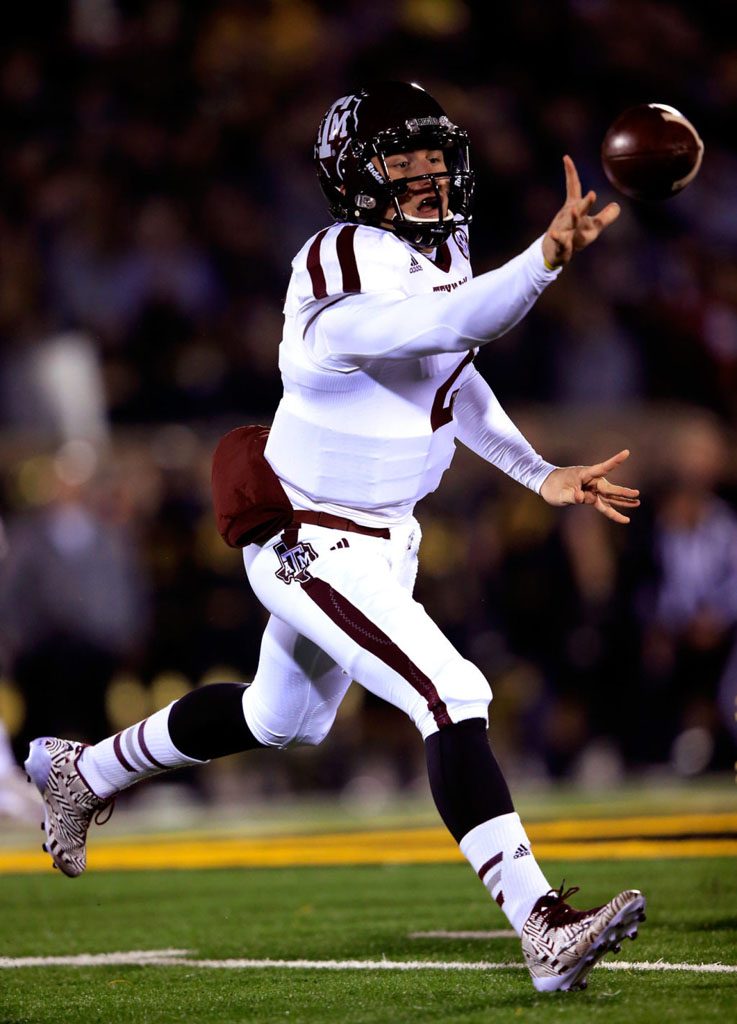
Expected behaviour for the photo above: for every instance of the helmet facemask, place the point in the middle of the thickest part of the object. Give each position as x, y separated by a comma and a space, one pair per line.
456, 182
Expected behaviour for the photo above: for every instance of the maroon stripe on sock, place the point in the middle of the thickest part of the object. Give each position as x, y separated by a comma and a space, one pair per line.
368, 635
500, 898
347, 259
489, 864
119, 754
317, 275
146, 752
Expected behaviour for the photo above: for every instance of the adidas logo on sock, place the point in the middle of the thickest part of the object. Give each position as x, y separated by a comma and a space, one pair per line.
414, 265
521, 851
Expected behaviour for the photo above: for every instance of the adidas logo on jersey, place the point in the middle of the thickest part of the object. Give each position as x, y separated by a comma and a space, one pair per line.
414, 265
521, 851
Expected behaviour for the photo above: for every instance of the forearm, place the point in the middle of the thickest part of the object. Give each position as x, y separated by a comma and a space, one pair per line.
405, 327
484, 427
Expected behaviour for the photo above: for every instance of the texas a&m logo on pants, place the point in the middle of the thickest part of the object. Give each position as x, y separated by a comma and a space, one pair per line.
294, 561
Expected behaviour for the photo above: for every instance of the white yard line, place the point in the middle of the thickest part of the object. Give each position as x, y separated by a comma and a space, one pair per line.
137, 957
178, 958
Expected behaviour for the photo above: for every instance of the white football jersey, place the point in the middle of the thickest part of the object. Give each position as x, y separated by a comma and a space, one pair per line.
371, 369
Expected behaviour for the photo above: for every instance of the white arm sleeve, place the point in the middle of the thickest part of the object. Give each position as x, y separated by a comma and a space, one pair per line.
484, 427
391, 325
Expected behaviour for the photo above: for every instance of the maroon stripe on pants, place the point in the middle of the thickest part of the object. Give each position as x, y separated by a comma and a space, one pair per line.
119, 754
146, 752
368, 635
492, 862
317, 275
347, 259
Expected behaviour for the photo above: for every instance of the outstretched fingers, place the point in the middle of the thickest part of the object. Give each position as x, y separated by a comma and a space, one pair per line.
586, 203
607, 509
624, 497
602, 468
606, 216
573, 182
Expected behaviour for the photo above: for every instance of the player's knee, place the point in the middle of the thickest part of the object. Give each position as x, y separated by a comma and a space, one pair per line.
310, 737
465, 690
462, 692
279, 728
313, 728
269, 728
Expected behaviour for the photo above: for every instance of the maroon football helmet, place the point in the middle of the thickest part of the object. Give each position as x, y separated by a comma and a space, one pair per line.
391, 117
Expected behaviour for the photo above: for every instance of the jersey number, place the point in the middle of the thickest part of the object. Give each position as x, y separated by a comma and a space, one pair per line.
442, 413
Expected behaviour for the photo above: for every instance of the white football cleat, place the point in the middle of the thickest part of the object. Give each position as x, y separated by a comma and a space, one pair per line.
69, 803
561, 945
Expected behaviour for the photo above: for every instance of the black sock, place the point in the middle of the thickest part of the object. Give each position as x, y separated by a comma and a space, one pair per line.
466, 782
209, 722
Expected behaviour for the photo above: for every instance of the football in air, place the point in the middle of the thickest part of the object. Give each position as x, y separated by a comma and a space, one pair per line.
651, 151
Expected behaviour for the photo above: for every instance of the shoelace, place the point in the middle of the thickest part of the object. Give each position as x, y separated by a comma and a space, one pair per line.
560, 895
555, 909
109, 807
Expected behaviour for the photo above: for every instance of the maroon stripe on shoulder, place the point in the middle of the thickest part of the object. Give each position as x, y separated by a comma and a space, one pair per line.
347, 259
492, 862
119, 754
317, 274
500, 898
146, 752
368, 635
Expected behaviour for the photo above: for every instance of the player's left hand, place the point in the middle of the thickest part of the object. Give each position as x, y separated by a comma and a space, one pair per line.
573, 226
587, 485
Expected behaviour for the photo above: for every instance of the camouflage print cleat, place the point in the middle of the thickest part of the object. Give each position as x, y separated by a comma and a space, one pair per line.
561, 944
69, 803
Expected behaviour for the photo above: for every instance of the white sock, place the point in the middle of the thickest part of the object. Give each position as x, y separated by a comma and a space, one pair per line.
500, 853
136, 753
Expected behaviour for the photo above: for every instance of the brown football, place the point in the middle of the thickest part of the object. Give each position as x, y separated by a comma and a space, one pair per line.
651, 152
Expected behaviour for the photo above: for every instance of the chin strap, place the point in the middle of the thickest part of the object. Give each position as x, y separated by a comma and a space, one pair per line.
417, 231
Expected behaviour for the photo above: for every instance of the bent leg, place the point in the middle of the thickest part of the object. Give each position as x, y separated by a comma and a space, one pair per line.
348, 602
297, 690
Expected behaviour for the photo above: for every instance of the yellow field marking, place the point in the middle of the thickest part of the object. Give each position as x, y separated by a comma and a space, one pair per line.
621, 838
652, 825
571, 829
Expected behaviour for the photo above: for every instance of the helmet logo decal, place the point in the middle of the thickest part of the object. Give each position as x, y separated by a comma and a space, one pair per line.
461, 240
335, 128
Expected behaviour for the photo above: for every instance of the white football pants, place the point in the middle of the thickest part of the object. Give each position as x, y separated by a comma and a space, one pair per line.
341, 609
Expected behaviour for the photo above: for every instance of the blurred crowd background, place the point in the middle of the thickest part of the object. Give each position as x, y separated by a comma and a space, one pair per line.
155, 183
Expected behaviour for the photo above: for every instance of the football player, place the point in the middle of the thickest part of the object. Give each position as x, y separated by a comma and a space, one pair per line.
383, 318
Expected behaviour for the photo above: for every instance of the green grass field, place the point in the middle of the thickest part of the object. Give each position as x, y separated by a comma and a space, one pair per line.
362, 913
